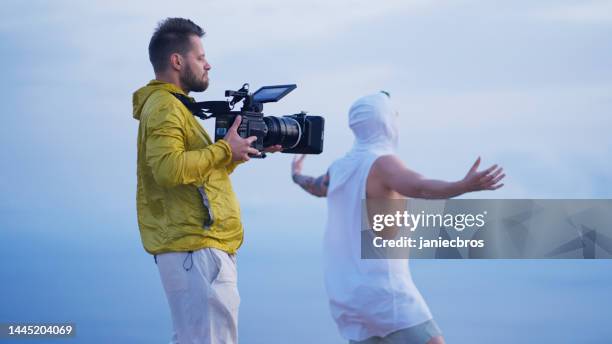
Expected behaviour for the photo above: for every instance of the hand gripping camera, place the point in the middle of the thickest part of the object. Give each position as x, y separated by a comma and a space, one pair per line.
298, 133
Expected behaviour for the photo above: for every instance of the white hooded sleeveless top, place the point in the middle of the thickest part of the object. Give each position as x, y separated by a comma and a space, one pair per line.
367, 297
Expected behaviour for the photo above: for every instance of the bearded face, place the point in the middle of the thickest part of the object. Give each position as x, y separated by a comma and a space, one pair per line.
194, 75
195, 80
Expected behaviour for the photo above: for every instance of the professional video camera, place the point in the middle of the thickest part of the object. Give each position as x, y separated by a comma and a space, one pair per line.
296, 133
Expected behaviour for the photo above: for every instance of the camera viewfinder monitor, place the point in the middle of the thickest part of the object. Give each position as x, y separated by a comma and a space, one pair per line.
269, 94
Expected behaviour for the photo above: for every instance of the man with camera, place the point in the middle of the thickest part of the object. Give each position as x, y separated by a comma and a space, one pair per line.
375, 301
188, 214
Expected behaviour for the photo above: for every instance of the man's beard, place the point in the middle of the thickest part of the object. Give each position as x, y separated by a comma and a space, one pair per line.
191, 82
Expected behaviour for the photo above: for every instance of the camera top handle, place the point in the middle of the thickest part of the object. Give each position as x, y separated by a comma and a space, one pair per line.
238, 95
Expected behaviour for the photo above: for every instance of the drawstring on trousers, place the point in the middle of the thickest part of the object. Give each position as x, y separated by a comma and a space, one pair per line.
190, 256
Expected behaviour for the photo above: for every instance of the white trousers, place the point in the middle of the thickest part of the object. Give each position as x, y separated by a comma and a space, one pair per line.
201, 288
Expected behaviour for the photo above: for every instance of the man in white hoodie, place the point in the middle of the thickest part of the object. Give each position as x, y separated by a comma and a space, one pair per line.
376, 301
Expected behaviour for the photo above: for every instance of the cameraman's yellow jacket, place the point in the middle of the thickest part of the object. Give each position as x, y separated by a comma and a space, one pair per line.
181, 171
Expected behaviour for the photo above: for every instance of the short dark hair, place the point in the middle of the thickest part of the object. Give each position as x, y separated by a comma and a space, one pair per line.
171, 36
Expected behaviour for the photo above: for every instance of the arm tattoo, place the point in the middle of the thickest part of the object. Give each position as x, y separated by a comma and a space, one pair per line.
315, 186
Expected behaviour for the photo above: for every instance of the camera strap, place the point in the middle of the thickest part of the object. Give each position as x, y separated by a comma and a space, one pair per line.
195, 108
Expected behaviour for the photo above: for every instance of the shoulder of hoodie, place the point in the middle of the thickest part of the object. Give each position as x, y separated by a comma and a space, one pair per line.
163, 106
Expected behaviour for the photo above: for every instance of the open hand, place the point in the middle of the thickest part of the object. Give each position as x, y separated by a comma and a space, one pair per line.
484, 180
296, 164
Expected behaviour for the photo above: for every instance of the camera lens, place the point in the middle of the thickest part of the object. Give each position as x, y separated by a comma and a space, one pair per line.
284, 131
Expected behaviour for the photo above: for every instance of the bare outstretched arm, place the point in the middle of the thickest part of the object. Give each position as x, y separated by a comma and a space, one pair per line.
396, 176
314, 186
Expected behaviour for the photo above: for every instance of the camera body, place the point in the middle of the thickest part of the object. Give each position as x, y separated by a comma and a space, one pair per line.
252, 124
298, 133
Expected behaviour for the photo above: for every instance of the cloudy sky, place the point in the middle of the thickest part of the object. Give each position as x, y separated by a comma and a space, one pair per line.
526, 84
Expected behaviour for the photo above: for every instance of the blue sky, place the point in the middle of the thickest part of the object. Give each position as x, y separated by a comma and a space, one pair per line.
524, 84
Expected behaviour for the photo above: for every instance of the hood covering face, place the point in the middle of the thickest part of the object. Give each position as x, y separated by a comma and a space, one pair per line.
374, 124
373, 121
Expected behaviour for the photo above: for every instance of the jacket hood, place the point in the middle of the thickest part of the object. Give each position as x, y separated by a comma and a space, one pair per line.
139, 98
